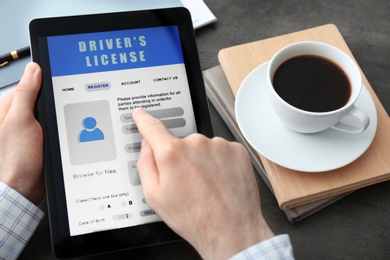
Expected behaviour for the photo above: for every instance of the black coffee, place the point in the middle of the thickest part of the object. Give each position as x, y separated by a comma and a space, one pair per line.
312, 83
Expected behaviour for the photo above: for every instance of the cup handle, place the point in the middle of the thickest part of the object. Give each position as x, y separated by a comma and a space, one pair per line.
360, 117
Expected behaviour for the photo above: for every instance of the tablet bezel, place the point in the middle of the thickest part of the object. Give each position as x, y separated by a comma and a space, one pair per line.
64, 245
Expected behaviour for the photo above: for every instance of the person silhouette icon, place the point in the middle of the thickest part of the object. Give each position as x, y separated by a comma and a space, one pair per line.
90, 132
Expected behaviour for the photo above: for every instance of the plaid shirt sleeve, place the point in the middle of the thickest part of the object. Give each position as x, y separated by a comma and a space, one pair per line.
18, 221
278, 247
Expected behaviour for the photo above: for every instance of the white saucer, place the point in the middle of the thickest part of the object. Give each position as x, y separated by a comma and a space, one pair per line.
324, 151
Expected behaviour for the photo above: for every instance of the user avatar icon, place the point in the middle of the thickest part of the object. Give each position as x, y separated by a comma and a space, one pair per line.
90, 132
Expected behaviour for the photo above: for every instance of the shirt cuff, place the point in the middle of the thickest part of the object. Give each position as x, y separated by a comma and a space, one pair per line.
18, 220
278, 247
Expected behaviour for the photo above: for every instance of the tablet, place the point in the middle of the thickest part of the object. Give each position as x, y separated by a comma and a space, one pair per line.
96, 70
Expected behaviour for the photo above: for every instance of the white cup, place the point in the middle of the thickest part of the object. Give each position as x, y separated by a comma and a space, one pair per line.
311, 122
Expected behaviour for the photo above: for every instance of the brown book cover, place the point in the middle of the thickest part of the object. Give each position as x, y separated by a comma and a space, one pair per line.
294, 188
221, 96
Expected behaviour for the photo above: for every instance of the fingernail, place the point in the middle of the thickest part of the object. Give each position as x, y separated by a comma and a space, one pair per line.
31, 68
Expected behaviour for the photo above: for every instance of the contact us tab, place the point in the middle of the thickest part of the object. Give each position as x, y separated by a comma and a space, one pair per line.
161, 79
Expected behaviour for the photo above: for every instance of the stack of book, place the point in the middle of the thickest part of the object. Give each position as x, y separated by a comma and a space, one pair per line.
299, 194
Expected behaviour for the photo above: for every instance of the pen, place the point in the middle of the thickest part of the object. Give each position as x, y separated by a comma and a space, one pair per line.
14, 55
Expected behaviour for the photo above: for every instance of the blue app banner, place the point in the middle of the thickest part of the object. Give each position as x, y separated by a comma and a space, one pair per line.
114, 50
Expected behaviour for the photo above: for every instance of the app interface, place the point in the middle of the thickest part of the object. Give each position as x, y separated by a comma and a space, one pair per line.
98, 80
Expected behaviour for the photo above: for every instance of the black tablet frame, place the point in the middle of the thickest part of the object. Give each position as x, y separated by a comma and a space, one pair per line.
64, 245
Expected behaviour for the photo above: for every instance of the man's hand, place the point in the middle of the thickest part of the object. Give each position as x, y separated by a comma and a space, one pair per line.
204, 189
21, 140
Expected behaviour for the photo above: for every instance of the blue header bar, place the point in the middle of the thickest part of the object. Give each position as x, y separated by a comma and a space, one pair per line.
114, 50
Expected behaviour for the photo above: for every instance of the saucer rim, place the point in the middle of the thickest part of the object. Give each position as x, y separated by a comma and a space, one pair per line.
305, 167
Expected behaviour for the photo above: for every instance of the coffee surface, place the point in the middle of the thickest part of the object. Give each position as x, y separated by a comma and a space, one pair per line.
312, 83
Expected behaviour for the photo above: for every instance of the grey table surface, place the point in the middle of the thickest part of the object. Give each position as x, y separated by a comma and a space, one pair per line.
357, 226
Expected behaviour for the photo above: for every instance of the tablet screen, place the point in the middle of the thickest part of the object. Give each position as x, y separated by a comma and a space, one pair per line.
96, 70
98, 80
